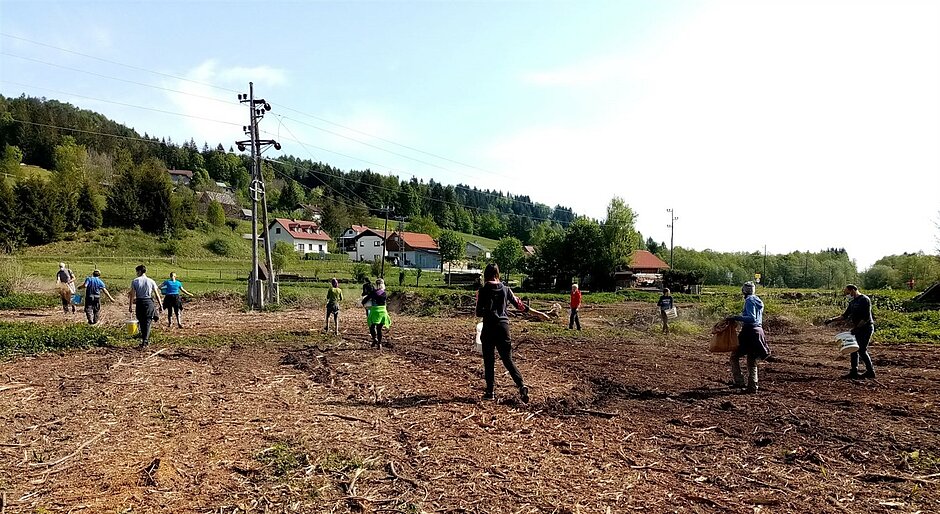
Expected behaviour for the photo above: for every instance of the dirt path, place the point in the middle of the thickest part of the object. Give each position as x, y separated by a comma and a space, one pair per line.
619, 421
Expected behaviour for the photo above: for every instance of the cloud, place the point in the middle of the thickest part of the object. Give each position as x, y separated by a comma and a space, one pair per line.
759, 123
214, 113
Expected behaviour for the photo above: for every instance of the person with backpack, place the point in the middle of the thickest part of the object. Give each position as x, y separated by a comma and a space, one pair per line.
93, 287
492, 304
858, 314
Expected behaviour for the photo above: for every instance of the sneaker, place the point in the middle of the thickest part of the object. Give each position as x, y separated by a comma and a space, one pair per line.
852, 375
488, 396
524, 394
869, 374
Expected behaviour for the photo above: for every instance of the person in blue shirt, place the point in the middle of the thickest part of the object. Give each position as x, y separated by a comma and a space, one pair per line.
172, 302
751, 341
93, 287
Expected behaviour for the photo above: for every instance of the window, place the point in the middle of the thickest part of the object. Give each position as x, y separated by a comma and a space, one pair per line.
277, 230
310, 247
378, 243
362, 244
300, 247
320, 248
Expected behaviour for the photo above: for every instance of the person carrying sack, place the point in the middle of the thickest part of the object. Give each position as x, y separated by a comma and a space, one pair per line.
858, 313
751, 341
665, 304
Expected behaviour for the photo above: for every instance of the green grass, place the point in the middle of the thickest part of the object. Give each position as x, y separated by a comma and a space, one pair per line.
28, 301
18, 339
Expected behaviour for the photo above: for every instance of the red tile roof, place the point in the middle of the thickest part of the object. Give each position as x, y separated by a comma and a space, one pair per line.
185, 173
299, 229
418, 241
359, 228
643, 259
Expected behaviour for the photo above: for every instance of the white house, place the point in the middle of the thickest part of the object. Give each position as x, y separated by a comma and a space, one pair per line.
180, 177
367, 246
345, 240
305, 236
414, 250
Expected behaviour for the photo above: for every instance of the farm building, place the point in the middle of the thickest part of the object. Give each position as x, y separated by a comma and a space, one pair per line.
369, 245
305, 236
477, 251
645, 271
226, 200
180, 177
414, 250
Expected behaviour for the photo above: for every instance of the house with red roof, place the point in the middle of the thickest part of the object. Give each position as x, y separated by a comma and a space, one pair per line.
645, 270
414, 250
345, 240
305, 236
643, 261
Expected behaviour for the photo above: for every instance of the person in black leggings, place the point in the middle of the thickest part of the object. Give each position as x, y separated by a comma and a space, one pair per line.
493, 300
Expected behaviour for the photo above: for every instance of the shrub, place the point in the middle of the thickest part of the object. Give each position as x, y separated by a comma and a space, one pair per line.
28, 301
221, 247
360, 272
28, 339
11, 273
170, 248
376, 268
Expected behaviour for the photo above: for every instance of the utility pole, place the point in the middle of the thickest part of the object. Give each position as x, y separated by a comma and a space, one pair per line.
256, 110
672, 233
384, 241
764, 273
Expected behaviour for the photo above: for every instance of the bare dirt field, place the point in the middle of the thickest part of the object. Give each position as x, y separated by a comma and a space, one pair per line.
270, 416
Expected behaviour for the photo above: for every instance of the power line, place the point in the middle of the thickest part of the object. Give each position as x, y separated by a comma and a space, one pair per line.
129, 66
193, 116
495, 195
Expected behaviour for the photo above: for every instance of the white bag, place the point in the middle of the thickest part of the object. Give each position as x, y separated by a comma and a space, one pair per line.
847, 342
478, 344
672, 313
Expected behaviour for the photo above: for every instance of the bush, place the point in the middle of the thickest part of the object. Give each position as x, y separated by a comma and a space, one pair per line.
221, 247
360, 272
170, 248
11, 273
28, 339
376, 268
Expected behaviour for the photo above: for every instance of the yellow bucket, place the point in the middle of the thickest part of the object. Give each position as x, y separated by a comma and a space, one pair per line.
131, 327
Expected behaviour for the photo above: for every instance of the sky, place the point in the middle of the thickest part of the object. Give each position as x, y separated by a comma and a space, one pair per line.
799, 125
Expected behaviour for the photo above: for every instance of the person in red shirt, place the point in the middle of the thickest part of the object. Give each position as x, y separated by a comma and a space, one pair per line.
910, 284
575, 305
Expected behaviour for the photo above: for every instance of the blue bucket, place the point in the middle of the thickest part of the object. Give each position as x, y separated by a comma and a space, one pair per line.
77, 299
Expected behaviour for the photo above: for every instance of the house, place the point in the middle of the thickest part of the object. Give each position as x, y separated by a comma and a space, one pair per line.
345, 240
369, 245
414, 250
476, 251
528, 251
643, 261
226, 200
180, 177
311, 212
246, 214
305, 236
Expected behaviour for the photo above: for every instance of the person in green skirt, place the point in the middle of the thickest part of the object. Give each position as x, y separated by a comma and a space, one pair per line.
378, 314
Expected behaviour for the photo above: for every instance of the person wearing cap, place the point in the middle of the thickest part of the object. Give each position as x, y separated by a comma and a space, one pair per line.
664, 304
751, 341
65, 280
378, 317
858, 314
93, 287
333, 296
142, 294
575, 305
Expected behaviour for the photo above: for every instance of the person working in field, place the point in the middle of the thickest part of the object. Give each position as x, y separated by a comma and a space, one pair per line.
751, 341
378, 317
172, 302
664, 304
93, 287
858, 315
575, 305
333, 296
65, 281
493, 301
142, 294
